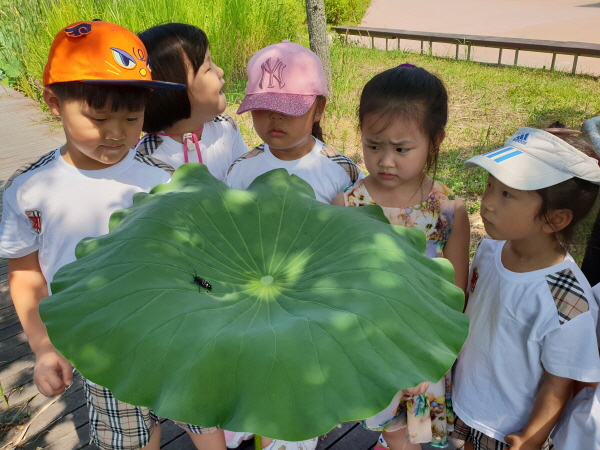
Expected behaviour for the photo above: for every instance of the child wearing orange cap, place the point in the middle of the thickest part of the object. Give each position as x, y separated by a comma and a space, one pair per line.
97, 81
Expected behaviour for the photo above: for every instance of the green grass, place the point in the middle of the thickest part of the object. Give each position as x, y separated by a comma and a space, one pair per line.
236, 28
346, 12
487, 105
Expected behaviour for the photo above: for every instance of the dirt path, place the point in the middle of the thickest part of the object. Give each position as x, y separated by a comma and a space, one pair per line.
567, 20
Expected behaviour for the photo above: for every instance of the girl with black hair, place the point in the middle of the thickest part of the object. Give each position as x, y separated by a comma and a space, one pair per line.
402, 117
189, 125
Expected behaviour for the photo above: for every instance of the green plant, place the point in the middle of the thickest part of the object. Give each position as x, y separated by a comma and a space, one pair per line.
346, 12
317, 314
10, 66
4, 397
236, 28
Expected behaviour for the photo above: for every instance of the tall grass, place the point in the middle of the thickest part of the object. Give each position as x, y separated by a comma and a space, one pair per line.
236, 28
347, 12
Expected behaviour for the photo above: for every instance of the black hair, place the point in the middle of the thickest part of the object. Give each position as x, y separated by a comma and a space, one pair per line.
407, 92
591, 261
100, 96
172, 49
317, 131
575, 194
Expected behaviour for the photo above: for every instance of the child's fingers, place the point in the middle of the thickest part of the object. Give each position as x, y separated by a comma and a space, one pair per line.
47, 376
67, 372
50, 385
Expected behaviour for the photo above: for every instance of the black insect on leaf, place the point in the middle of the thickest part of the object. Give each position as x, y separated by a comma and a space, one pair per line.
200, 281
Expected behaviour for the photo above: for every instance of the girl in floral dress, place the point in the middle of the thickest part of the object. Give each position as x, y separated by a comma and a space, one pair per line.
402, 115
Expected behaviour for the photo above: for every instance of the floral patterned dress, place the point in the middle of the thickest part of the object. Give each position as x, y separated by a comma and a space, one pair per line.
429, 417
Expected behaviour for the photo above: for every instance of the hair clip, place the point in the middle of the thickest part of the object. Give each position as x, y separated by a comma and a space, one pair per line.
567, 131
408, 65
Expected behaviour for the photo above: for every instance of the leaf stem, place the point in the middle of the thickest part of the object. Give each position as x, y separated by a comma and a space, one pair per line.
257, 442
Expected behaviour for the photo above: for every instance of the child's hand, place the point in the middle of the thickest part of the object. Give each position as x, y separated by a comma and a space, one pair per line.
52, 373
419, 390
518, 441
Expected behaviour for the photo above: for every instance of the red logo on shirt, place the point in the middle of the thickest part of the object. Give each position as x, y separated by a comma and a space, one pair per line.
474, 278
35, 215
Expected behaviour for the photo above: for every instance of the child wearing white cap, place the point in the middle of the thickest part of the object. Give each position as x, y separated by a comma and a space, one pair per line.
286, 95
533, 313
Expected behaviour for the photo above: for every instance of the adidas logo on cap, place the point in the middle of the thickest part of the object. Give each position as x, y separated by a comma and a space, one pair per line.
522, 139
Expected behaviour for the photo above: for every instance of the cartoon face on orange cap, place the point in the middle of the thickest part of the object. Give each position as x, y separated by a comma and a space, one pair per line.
100, 52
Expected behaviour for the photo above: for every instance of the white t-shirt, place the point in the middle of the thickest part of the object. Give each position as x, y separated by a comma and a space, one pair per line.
521, 324
50, 205
326, 170
579, 425
221, 144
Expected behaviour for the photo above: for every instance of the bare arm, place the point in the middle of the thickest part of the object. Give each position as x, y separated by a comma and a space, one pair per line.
52, 372
549, 404
456, 249
338, 200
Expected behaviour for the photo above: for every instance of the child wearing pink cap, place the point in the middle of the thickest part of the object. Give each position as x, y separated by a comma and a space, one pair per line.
286, 94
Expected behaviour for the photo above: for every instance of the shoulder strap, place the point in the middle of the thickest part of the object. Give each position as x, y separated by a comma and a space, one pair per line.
251, 154
568, 295
154, 162
28, 167
148, 144
226, 118
343, 161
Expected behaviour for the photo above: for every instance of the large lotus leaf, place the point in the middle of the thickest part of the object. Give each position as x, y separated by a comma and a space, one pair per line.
318, 314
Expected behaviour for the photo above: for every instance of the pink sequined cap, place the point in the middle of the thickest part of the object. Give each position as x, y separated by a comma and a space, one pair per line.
284, 77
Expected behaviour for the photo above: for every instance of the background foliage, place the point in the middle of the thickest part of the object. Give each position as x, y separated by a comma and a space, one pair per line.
236, 28
345, 12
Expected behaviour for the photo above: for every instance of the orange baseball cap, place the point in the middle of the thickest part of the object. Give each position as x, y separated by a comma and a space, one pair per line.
101, 52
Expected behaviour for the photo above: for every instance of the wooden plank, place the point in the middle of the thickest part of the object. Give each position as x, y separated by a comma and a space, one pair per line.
563, 47
63, 425
17, 379
17, 366
77, 439
7, 311
12, 354
338, 433
358, 438
173, 437
50, 420
19, 394
10, 331
9, 322
12, 342
5, 299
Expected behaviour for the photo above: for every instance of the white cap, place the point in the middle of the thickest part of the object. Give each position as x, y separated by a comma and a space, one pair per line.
534, 159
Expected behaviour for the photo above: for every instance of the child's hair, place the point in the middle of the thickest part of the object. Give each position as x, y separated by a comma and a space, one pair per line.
173, 49
575, 194
591, 260
100, 96
317, 131
407, 92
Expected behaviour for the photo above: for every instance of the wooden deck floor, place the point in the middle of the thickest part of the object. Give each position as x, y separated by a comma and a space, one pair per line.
64, 424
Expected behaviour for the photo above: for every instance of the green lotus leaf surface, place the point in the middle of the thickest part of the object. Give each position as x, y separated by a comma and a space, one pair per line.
318, 314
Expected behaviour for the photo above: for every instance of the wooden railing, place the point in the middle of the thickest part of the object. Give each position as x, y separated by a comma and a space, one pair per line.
576, 49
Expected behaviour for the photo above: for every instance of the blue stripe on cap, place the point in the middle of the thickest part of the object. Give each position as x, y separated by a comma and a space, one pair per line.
499, 152
510, 155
